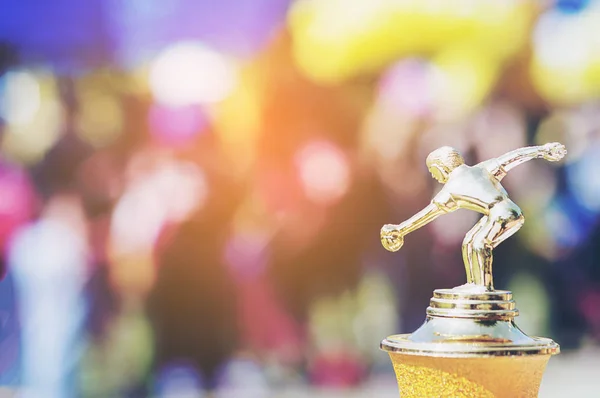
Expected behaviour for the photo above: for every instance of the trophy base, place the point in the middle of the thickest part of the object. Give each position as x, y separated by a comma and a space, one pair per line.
487, 377
469, 346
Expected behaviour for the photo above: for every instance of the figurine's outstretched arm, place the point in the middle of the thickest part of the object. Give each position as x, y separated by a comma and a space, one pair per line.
392, 236
553, 152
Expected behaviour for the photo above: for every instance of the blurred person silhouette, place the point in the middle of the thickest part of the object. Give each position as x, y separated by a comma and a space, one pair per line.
320, 244
192, 304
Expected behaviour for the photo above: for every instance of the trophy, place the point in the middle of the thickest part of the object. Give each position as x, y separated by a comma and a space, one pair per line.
470, 345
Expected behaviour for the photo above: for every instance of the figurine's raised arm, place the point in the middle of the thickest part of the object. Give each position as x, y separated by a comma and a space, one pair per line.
501, 165
392, 236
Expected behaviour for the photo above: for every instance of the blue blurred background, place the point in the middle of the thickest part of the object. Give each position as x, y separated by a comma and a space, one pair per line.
191, 192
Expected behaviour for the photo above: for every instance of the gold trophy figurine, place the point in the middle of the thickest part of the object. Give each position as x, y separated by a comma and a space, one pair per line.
469, 345
475, 188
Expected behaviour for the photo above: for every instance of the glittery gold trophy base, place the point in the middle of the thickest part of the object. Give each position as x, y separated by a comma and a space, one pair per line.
469, 346
492, 377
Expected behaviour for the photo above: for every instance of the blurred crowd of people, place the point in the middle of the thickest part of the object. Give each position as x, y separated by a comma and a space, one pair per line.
196, 206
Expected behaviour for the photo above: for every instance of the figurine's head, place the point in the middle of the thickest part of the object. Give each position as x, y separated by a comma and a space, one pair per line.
442, 161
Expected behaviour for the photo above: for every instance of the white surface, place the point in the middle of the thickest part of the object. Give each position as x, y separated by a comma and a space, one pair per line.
573, 374
570, 374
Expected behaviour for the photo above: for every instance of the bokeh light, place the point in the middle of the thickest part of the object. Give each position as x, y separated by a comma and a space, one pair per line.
569, 226
246, 253
189, 73
462, 78
49, 285
19, 96
176, 126
17, 203
150, 202
570, 127
407, 86
534, 303
119, 360
37, 113
584, 179
566, 64
156, 198
333, 42
244, 378
324, 172
100, 117
179, 380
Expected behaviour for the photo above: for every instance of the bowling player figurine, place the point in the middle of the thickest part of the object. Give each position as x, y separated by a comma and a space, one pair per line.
475, 188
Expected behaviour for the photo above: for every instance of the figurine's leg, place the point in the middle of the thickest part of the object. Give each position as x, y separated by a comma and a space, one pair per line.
482, 258
491, 235
509, 228
467, 249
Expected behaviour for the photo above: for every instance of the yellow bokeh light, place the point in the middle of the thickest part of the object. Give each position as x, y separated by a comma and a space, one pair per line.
565, 68
238, 118
335, 39
100, 117
464, 78
28, 140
